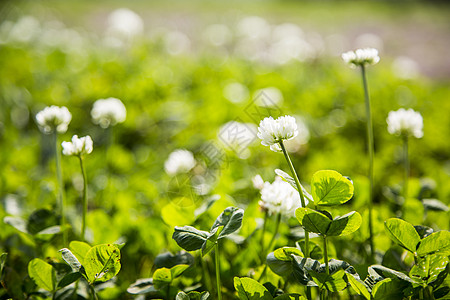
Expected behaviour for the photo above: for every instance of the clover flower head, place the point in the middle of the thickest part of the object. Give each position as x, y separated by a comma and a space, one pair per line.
179, 161
405, 122
258, 182
279, 197
78, 146
361, 57
272, 132
108, 112
53, 118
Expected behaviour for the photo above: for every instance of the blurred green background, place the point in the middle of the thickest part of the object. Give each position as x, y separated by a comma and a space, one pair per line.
185, 69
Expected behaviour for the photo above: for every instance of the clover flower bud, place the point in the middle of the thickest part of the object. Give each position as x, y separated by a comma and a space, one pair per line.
405, 122
108, 112
53, 118
78, 146
361, 57
272, 132
179, 161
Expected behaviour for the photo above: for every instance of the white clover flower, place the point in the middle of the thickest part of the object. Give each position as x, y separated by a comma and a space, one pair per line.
53, 117
405, 122
179, 161
108, 112
361, 57
125, 22
258, 182
279, 197
78, 146
272, 132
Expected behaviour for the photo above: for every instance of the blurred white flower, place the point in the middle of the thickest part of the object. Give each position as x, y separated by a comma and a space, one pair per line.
25, 29
179, 161
254, 27
125, 22
177, 43
78, 146
235, 92
218, 34
108, 112
405, 122
258, 182
405, 68
53, 117
361, 57
271, 131
279, 197
268, 97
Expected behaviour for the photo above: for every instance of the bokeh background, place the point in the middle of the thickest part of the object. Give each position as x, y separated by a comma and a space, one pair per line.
196, 75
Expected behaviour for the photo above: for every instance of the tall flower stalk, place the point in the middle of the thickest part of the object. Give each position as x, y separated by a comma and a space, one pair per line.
362, 58
272, 133
79, 147
405, 123
54, 120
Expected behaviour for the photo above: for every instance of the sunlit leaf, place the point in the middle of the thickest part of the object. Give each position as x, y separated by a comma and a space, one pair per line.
312, 220
329, 188
250, 289
42, 273
102, 262
344, 225
437, 242
79, 249
402, 233
358, 286
230, 219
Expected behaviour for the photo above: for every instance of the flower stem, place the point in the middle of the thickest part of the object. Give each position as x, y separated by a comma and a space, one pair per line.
277, 226
370, 147
84, 201
300, 191
266, 214
406, 163
216, 256
60, 190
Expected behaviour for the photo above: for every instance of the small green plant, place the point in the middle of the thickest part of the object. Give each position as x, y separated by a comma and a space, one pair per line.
190, 239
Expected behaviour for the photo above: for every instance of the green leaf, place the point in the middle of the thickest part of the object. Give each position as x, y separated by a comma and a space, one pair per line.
189, 238
427, 270
388, 288
230, 219
210, 242
142, 286
358, 286
41, 219
434, 205
312, 220
168, 260
330, 188
164, 276
47, 233
290, 297
68, 279
102, 262
437, 242
402, 233
192, 296
16, 222
79, 249
42, 273
389, 273
344, 225
333, 282
250, 289
70, 259
286, 252
2, 262
286, 177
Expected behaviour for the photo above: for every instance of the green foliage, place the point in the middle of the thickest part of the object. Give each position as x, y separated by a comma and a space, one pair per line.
42, 273
102, 262
317, 222
402, 233
330, 188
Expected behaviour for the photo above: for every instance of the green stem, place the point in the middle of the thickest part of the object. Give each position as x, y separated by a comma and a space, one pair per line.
216, 256
300, 191
168, 292
205, 274
84, 201
406, 164
277, 226
266, 213
325, 255
60, 190
370, 147
94, 295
